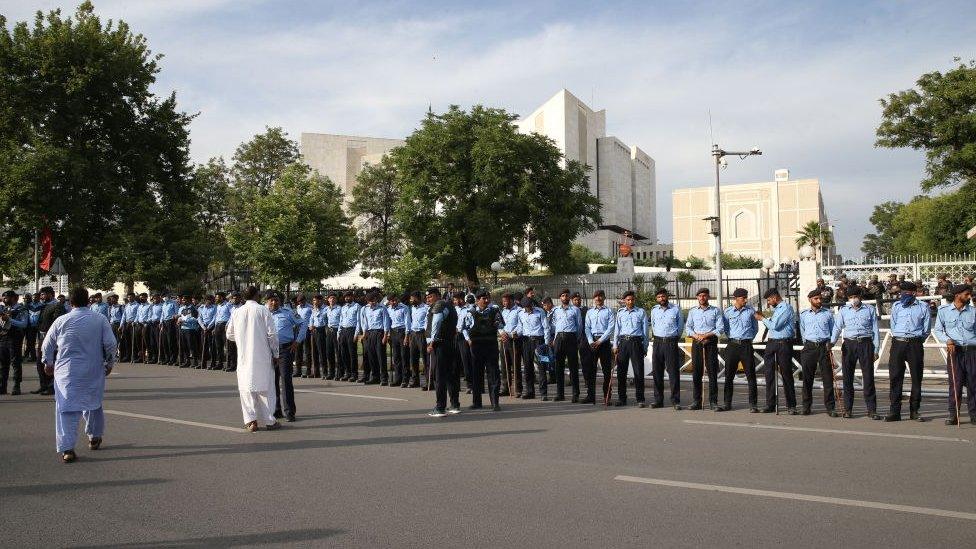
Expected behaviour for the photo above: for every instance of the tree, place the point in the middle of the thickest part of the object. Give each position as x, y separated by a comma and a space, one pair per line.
580, 257
937, 118
815, 235
935, 225
406, 273
730, 261
880, 244
686, 279
374, 202
212, 193
262, 160
471, 185
284, 240
696, 263
86, 147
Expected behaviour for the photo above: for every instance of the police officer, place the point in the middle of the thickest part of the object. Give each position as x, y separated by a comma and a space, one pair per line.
399, 315
511, 348
143, 316
114, 313
956, 325
481, 327
14, 318
374, 332
598, 327
666, 327
567, 331
291, 332
704, 326
418, 342
440, 330
463, 358
303, 358
235, 302
208, 320
51, 309
741, 328
329, 336
348, 350
533, 328
779, 351
910, 323
221, 318
630, 345
858, 323
816, 330
190, 328
154, 328
128, 328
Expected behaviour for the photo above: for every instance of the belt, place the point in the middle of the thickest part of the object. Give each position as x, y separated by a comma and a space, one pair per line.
740, 341
816, 341
967, 348
659, 338
566, 334
628, 338
779, 339
860, 339
906, 339
374, 330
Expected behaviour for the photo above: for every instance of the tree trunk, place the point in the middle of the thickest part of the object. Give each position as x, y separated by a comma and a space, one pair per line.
471, 275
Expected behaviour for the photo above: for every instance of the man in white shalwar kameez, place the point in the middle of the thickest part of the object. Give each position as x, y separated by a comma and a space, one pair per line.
252, 328
79, 351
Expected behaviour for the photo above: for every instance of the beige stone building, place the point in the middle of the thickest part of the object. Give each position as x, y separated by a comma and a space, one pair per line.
341, 157
759, 220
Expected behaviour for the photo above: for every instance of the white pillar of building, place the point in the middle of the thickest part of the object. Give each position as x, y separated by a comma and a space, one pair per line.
809, 273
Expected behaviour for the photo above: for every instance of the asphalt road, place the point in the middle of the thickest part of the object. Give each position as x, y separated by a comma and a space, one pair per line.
356, 472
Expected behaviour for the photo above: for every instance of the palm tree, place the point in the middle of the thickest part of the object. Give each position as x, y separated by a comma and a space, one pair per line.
816, 235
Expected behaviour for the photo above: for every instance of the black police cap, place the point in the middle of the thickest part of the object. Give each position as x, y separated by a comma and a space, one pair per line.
960, 288
482, 293
854, 291
908, 286
740, 292
813, 293
702, 291
526, 302
770, 293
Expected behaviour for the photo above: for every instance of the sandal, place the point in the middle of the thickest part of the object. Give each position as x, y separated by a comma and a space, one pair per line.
274, 426
251, 427
95, 443
68, 456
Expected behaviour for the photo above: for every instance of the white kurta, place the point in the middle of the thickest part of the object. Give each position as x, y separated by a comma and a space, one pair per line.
253, 329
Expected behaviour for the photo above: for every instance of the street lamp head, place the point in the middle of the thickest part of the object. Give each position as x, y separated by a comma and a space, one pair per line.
496, 266
768, 263
688, 264
806, 252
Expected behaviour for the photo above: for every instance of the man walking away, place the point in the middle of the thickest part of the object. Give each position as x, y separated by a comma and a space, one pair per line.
252, 330
79, 351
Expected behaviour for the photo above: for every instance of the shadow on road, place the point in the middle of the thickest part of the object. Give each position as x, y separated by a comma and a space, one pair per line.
264, 538
46, 489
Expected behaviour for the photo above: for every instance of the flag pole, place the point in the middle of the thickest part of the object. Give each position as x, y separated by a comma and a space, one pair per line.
36, 273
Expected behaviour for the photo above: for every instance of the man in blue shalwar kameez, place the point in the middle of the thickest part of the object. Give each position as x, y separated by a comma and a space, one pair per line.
79, 351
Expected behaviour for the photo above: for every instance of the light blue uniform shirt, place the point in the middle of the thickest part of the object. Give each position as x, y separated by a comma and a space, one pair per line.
223, 312
79, 344
703, 321
740, 323
170, 308
632, 323
816, 325
911, 321
100, 308
115, 314
373, 318
286, 323
436, 320
131, 312
599, 324
305, 312
145, 312
510, 317
208, 316
567, 319
190, 323
350, 315
332, 315
780, 325
399, 316
157, 312
418, 317
666, 322
957, 325
534, 323
856, 323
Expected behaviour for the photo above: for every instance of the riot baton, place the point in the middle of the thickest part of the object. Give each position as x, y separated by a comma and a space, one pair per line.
956, 389
609, 384
512, 390
704, 370
833, 381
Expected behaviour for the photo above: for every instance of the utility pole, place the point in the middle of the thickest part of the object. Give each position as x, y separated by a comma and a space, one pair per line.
715, 220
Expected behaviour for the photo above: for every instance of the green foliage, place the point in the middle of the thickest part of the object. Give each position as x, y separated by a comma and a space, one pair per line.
580, 257
881, 243
407, 273
730, 261
284, 240
471, 185
262, 161
212, 192
659, 281
815, 235
517, 264
643, 293
935, 225
374, 202
606, 269
936, 117
686, 279
87, 148
696, 263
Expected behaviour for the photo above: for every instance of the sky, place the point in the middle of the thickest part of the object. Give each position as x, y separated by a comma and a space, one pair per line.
801, 80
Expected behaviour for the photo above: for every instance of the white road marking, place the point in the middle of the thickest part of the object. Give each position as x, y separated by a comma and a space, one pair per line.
830, 431
176, 421
801, 497
349, 395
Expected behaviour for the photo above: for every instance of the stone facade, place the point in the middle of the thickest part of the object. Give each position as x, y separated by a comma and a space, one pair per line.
622, 177
759, 220
341, 157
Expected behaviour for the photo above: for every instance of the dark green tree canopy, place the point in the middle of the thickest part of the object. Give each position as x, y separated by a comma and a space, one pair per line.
374, 201
939, 117
471, 186
259, 162
85, 146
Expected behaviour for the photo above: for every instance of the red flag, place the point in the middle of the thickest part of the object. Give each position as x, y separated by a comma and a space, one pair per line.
47, 250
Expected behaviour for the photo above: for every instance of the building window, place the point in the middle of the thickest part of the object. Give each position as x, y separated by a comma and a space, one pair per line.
743, 225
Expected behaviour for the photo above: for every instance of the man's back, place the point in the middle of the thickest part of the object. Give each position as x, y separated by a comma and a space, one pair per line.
79, 344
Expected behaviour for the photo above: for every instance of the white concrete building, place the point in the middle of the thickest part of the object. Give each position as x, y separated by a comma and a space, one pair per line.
342, 157
621, 177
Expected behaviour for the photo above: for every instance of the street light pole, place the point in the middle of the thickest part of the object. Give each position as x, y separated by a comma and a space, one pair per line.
716, 220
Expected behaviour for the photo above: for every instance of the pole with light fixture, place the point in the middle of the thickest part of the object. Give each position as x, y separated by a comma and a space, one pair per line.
715, 220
